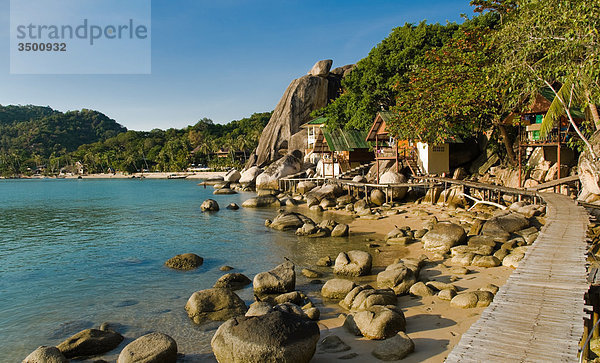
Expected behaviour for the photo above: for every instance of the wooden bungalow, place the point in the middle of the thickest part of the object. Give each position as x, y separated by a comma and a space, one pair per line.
554, 144
341, 150
419, 157
312, 127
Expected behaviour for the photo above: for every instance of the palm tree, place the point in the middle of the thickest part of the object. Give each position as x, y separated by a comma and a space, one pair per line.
566, 97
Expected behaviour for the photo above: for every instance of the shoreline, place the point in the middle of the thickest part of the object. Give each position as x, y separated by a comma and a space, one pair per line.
157, 175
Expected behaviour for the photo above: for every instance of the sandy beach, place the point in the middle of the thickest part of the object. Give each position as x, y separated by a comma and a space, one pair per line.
433, 325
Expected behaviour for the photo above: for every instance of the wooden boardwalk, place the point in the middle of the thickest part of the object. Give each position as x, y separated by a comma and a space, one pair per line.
537, 315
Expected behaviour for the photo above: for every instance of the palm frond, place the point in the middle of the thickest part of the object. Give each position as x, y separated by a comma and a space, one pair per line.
566, 97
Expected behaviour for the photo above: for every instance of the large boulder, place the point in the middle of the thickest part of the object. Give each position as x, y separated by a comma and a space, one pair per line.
365, 296
337, 288
289, 220
503, 225
269, 338
397, 277
150, 348
209, 205
326, 191
321, 68
305, 186
44, 354
290, 164
392, 177
248, 176
377, 197
303, 95
233, 281
281, 279
443, 236
186, 261
380, 322
214, 304
353, 263
588, 168
232, 176
394, 348
262, 201
90, 342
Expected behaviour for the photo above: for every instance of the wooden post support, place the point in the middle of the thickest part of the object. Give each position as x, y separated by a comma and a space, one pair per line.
377, 157
519, 158
558, 152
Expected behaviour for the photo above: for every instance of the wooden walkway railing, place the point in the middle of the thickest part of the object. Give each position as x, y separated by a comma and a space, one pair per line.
537, 315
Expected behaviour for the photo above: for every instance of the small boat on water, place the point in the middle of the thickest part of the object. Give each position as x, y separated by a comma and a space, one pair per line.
175, 176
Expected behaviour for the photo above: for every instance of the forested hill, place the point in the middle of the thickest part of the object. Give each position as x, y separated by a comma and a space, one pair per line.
40, 139
13, 114
38, 132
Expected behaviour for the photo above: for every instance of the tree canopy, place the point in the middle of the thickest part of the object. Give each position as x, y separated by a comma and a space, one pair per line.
370, 87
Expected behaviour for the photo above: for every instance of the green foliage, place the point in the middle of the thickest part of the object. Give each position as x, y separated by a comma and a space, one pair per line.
174, 149
547, 41
449, 94
370, 87
32, 136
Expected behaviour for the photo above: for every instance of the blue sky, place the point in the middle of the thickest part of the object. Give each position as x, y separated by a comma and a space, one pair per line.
222, 59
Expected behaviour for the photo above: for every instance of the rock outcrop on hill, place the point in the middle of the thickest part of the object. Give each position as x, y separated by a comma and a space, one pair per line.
303, 95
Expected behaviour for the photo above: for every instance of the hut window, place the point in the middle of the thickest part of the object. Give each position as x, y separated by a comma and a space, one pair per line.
438, 149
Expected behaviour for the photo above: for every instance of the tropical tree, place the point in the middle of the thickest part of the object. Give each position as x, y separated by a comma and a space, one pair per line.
545, 42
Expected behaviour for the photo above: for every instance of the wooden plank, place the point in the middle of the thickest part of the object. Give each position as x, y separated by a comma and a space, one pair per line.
553, 183
537, 315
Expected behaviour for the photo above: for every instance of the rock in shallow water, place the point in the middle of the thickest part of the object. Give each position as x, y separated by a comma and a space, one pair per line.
210, 205
44, 354
233, 281
281, 279
273, 337
353, 263
214, 304
186, 261
90, 342
150, 348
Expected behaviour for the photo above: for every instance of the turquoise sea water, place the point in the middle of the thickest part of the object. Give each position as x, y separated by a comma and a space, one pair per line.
76, 253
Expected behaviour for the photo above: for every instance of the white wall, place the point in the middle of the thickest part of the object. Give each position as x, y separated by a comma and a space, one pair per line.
434, 159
